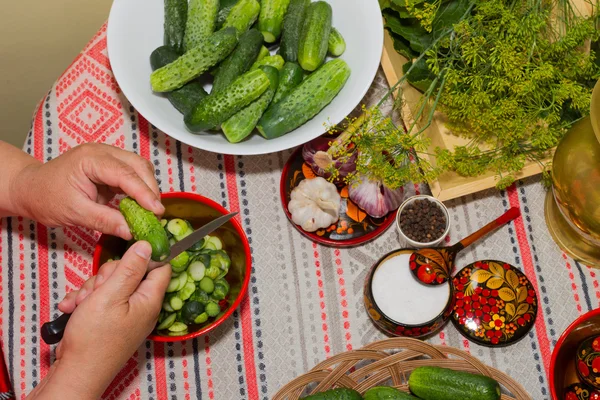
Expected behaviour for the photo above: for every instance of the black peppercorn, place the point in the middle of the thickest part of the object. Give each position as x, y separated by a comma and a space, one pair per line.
423, 221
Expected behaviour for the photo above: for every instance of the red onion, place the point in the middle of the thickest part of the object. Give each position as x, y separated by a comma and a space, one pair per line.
376, 199
320, 156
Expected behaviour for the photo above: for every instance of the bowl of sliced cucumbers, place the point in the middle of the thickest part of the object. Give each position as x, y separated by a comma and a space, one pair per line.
245, 76
208, 281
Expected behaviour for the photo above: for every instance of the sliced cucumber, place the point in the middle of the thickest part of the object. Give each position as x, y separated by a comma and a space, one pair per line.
207, 285
180, 263
176, 303
178, 327
187, 291
167, 307
167, 322
177, 227
216, 242
202, 318
196, 270
182, 280
213, 309
173, 285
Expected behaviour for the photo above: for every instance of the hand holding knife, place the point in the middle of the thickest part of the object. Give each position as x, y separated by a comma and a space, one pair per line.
52, 332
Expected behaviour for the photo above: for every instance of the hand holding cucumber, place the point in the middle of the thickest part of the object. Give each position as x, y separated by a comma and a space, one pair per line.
75, 188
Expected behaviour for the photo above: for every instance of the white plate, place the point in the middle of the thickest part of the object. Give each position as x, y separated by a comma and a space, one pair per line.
135, 29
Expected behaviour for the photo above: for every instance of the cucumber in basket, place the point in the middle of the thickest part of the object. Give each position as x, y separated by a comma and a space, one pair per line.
219, 107
314, 41
290, 76
386, 393
187, 96
305, 101
435, 383
241, 125
195, 62
243, 15
240, 60
335, 394
175, 16
201, 22
271, 17
292, 29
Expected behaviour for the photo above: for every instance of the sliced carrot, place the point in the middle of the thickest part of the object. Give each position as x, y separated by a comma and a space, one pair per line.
308, 172
354, 212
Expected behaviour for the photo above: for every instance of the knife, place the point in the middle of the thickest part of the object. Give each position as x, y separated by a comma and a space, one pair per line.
52, 332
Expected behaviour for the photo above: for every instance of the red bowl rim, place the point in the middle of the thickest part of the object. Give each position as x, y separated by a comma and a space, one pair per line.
559, 344
238, 227
389, 218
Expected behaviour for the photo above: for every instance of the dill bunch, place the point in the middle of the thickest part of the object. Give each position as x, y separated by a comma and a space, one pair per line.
510, 75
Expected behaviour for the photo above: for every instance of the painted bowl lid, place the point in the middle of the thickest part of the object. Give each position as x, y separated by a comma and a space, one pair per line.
578, 391
588, 361
495, 304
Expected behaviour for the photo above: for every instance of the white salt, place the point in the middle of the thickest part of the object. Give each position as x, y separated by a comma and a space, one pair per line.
401, 297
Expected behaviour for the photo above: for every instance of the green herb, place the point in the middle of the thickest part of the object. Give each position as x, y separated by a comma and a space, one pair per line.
510, 75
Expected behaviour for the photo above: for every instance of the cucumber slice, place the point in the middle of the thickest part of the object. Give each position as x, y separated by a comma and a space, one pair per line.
164, 222
167, 307
209, 246
178, 327
196, 270
173, 285
216, 242
167, 322
182, 280
176, 303
185, 332
213, 309
177, 227
187, 291
207, 285
202, 318
180, 263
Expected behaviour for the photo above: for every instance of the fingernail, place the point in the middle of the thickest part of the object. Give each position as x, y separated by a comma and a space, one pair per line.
159, 206
143, 250
99, 280
124, 231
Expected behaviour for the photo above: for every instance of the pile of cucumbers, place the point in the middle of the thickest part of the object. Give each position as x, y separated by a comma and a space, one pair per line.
198, 290
426, 383
252, 89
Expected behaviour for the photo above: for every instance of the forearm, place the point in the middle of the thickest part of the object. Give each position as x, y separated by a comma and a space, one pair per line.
14, 163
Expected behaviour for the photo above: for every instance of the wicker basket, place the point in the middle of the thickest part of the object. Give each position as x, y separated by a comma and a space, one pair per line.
389, 362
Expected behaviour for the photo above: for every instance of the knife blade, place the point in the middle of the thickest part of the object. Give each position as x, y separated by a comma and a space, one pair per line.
52, 332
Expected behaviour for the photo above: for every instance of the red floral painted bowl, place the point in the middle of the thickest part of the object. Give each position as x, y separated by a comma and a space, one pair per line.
587, 361
563, 370
199, 210
399, 304
578, 391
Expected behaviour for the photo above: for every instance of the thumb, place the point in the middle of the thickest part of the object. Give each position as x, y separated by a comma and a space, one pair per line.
129, 273
152, 289
104, 219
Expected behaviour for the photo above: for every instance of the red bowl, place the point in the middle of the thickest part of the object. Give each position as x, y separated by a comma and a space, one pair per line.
198, 210
562, 364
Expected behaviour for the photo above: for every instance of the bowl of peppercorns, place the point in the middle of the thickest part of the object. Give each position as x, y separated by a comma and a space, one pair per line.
423, 221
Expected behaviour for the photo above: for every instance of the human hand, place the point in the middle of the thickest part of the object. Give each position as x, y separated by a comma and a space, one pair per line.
75, 188
107, 326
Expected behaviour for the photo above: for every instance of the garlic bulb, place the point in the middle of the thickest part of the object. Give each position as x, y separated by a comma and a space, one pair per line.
374, 197
315, 204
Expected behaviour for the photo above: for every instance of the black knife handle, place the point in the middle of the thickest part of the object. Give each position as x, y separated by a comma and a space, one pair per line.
52, 332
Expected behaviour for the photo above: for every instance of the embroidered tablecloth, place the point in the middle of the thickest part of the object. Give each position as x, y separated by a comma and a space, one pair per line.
304, 302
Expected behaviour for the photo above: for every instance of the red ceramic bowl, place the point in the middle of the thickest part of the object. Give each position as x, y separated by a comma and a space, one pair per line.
198, 210
562, 365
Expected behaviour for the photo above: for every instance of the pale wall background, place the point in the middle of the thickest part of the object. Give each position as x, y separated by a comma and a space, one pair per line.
38, 41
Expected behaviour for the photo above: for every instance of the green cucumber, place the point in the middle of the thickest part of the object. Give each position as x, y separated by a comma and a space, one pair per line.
292, 29
290, 76
239, 61
386, 393
336, 45
305, 101
272, 61
224, 10
264, 52
271, 17
195, 62
186, 97
175, 17
167, 322
242, 16
145, 226
314, 40
201, 22
435, 383
241, 125
335, 394
219, 107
